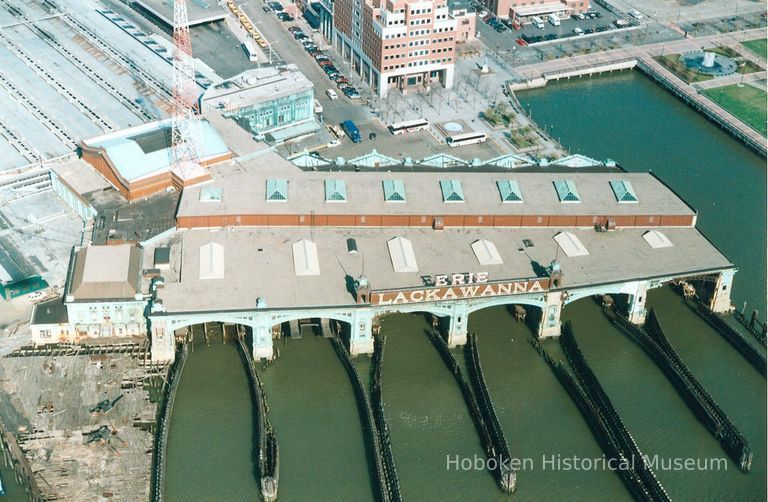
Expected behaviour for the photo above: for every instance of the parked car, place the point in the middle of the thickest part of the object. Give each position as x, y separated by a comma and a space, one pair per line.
325, 62
266, 8
636, 14
294, 28
36, 296
341, 78
342, 85
578, 31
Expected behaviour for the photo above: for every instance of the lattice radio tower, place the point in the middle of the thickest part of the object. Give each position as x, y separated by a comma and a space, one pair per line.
184, 120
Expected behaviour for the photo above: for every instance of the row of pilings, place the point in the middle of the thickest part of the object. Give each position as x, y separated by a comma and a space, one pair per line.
268, 451
506, 475
753, 325
164, 412
377, 404
738, 341
499, 452
366, 415
602, 418
655, 343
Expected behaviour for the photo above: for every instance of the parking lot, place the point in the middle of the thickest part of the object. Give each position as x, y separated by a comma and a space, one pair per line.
499, 33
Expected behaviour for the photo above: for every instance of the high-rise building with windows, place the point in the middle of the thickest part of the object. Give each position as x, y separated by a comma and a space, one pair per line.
397, 44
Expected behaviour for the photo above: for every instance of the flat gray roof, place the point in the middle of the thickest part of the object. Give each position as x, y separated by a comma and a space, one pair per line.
243, 186
255, 86
81, 176
258, 262
198, 11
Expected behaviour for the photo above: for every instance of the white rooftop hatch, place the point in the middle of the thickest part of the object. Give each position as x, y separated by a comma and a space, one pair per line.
657, 240
486, 252
305, 261
211, 261
402, 256
570, 244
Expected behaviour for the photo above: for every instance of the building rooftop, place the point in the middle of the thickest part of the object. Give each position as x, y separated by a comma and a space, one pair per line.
243, 191
105, 272
50, 312
198, 12
144, 151
81, 176
261, 263
254, 86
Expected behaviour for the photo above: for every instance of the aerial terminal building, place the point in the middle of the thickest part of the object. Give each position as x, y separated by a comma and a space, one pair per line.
267, 244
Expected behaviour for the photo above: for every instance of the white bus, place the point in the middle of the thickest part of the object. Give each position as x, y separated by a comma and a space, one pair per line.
250, 51
469, 138
409, 126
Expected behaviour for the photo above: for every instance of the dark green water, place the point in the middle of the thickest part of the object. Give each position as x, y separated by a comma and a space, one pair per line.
211, 433
643, 128
313, 409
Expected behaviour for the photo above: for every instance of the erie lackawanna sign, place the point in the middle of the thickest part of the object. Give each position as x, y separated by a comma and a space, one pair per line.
440, 294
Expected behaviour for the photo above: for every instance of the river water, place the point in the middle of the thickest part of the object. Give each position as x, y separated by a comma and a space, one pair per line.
312, 407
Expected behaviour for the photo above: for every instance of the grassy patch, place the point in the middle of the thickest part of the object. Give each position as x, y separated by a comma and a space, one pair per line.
745, 66
523, 137
672, 63
745, 102
759, 46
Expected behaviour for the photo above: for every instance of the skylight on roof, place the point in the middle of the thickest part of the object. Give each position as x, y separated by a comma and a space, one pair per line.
394, 191
452, 191
570, 244
210, 194
509, 191
657, 240
277, 190
335, 191
566, 191
624, 192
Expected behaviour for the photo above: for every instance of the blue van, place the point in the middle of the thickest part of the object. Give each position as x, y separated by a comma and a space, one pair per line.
352, 131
